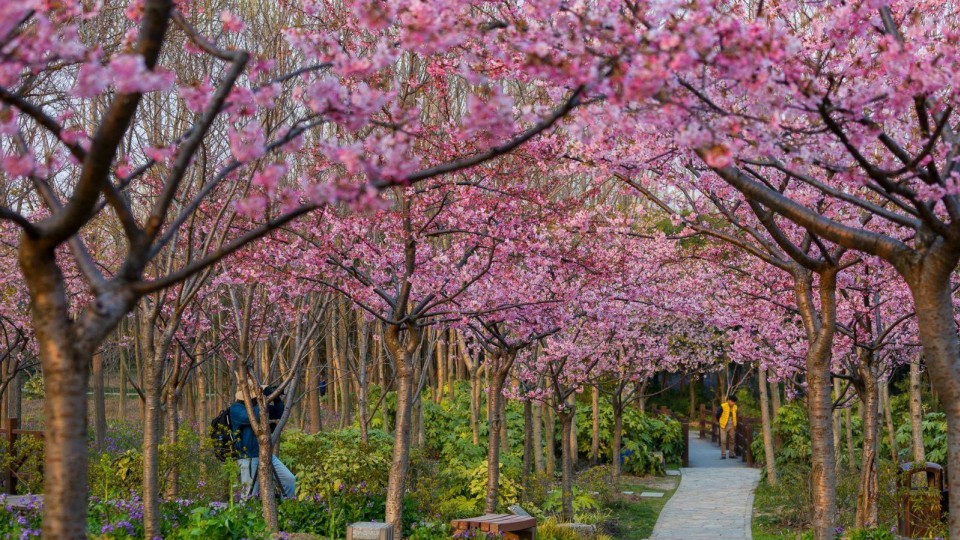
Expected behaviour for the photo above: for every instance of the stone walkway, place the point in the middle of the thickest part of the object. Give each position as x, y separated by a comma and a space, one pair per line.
714, 500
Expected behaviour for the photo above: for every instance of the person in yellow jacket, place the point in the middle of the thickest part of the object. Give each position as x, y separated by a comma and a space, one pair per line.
728, 426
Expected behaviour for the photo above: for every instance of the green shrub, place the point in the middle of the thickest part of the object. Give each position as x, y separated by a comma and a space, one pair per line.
27, 457
596, 480
642, 435
870, 534
236, 522
934, 426
583, 502
430, 531
326, 461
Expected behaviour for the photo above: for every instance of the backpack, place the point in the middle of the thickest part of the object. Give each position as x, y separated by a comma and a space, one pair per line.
221, 436
719, 412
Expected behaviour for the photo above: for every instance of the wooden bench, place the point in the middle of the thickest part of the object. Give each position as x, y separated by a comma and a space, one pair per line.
511, 527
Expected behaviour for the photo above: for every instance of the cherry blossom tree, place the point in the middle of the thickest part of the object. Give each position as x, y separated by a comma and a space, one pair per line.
53, 66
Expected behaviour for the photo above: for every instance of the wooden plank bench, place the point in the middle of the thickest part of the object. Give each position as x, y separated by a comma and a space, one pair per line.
511, 527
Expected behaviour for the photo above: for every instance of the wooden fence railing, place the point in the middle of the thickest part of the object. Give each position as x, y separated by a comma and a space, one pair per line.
745, 432
10, 470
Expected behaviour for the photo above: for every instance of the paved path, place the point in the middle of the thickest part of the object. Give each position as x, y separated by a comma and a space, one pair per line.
714, 500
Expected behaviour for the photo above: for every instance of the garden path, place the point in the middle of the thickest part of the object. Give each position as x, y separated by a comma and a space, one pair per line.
714, 500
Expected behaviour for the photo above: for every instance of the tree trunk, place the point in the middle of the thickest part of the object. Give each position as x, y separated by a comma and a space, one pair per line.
265, 473
774, 399
572, 404
527, 442
16, 395
494, 413
819, 403
153, 412
537, 437
504, 439
122, 412
595, 435
916, 414
65, 434
202, 413
888, 418
173, 427
617, 442
441, 359
868, 494
768, 454
313, 388
397, 481
550, 439
475, 405
929, 279
567, 460
848, 424
99, 405
837, 417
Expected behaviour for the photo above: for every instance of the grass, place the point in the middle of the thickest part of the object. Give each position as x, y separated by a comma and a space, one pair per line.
635, 518
767, 522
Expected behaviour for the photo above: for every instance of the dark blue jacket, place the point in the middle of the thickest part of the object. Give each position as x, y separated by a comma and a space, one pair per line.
247, 444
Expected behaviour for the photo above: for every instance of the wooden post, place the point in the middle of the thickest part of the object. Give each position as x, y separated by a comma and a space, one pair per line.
703, 421
685, 458
10, 479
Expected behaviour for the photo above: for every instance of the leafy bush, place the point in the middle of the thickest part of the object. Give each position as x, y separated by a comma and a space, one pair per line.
643, 435
934, 426
596, 480
583, 502
27, 458
235, 522
870, 534
117, 474
793, 428
551, 530
326, 461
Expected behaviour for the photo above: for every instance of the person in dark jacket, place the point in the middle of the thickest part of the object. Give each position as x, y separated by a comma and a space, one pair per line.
248, 449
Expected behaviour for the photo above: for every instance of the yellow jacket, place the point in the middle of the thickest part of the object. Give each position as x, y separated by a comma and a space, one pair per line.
727, 413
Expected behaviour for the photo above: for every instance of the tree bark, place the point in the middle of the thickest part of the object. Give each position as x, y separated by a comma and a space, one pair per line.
774, 399
567, 461
99, 405
173, 427
888, 419
265, 472
916, 414
595, 434
16, 395
550, 442
527, 442
475, 405
538, 437
868, 494
572, 405
153, 413
313, 389
122, 411
848, 424
617, 442
403, 354
768, 453
494, 414
65, 410
820, 331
